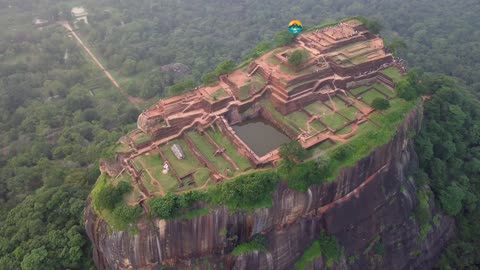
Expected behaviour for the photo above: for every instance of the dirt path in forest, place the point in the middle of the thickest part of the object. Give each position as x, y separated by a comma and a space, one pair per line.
134, 100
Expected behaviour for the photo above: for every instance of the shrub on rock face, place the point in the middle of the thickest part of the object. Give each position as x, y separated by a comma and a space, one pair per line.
380, 104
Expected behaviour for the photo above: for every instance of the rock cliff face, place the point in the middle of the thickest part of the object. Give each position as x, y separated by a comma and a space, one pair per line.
369, 203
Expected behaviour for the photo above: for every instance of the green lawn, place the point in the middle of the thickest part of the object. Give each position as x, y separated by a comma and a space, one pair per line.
393, 73
358, 90
349, 112
334, 120
370, 95
365, 127
141, 138
331, 119
318, 108
155, 167
181, 166
208, 151
345, 130
299, 118
317, 125
320, 148
382, 88
230, 149
273, 60
201, 176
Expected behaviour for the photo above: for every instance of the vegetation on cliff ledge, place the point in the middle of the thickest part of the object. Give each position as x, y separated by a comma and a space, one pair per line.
248, 191
108, 202
326, 246
258, 243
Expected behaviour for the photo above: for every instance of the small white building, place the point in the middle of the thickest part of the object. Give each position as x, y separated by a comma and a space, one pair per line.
79, 14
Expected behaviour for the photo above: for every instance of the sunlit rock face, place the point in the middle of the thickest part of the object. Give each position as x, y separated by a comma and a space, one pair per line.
373, 200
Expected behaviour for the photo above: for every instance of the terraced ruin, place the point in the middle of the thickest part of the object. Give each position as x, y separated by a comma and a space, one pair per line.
324, 102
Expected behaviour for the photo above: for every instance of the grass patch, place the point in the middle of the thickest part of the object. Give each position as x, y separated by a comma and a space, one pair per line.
272, 60
358, 90
258, 243
327, 246
141, 138
370, 95
320, 148
345, 130
349, 112
393, 73
317, 125
107, 201
318, 108
208, 151
254, 85
382, 88
219, 94
334, 120
201, 176
230, 149
299, 118
181, 166
154, 164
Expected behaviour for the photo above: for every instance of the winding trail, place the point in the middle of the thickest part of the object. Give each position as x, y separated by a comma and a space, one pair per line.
133, 100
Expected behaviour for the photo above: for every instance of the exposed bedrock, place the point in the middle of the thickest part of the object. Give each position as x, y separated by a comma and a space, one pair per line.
372, 200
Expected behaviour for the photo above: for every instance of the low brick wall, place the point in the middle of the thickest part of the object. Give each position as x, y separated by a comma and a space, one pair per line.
357, 69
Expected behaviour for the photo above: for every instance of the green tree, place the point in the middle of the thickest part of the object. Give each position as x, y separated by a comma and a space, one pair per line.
396, 46
292, 152
129, 67
380, 104
225, 67
452, 198
283, 38
298, 58
35, 259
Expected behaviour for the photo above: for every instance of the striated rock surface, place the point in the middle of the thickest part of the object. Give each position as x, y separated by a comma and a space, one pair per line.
370, 202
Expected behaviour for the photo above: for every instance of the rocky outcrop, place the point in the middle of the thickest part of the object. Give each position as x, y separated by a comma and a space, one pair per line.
370, 202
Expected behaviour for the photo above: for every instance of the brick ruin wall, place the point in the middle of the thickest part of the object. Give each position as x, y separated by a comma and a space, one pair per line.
298, 103
220, 104
228, 82
363, 67
201, 104
344, 43
325, 72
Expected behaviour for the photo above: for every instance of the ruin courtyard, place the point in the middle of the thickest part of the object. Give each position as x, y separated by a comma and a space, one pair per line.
237, 124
